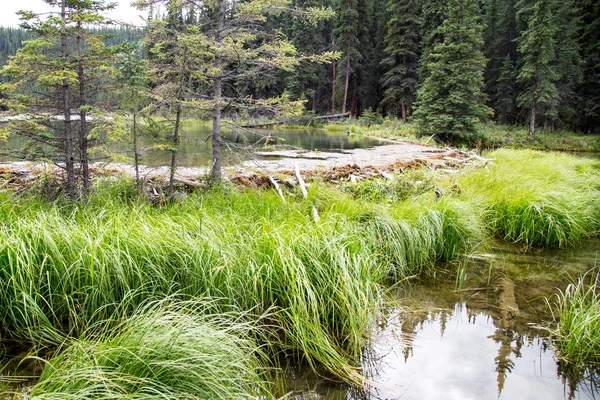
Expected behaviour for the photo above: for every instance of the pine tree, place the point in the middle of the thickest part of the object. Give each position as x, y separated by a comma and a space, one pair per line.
307, 79
501, 50
568, 59
537, 74
402, 50
132, 77
450, 102
201, 66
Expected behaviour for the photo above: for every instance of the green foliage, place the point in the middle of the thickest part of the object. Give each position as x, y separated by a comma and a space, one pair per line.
450, 101
407, 184
243, 249
537, 74
537, 199
402, 51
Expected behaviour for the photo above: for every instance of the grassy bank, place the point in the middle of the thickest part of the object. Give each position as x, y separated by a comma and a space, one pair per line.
67, 268
491, 135
535, 198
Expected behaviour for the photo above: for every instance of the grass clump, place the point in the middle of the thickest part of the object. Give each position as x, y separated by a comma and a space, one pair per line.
535, 198
174, 352
576, 334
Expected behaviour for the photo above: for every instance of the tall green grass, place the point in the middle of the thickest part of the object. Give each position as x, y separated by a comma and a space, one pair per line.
174, 351
66, 267
576, 334
536, 198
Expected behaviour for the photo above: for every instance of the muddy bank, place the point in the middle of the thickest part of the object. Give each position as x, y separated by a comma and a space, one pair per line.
380, 156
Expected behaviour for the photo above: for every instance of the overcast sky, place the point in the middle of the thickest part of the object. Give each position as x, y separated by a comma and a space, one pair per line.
8, 8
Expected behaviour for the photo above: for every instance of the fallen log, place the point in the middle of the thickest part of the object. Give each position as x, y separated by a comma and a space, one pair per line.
263, 124
194, 184
319, 117
331, 116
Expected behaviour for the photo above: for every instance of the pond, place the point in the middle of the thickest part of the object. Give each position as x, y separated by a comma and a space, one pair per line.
195, 150
484, 342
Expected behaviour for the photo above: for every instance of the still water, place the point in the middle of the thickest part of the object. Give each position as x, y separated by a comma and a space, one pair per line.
195, 150
484, 342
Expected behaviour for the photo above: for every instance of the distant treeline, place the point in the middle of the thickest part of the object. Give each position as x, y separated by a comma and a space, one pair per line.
11, 39
540, 55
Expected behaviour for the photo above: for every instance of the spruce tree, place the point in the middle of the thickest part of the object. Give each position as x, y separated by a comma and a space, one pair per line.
450, 102
588, 105
537, 74
568, 59
347, 32
402, 50
56, 79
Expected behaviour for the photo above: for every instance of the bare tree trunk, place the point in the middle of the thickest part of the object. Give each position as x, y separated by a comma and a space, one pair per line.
354, 86
136, 154
334, 74
171, 189
532, 122
403, 112
314, 99
83, 135
69, 164
215, 174
178, 109
347, 81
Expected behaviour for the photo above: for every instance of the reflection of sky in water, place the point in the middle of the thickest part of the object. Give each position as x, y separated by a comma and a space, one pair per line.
459, 360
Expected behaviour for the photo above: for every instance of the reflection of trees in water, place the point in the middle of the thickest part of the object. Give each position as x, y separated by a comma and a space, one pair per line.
575, 378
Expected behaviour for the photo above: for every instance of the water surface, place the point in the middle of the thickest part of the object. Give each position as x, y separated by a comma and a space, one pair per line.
195, 150
487, 341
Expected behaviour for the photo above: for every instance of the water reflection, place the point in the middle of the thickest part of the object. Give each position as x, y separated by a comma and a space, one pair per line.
462, 354
482, 343
195, 149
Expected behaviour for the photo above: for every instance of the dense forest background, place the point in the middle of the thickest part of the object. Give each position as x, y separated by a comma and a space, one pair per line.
547, 49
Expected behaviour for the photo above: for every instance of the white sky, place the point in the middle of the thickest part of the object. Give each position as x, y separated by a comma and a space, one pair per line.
8, 8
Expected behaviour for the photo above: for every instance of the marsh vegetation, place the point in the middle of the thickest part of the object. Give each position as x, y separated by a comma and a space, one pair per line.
278, 285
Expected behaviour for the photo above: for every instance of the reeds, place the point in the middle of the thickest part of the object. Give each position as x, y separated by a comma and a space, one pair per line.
576, 334
65, 267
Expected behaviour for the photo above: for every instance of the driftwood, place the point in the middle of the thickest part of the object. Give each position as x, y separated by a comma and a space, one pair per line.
332, 116
277, 187
263, 124
301, 182
194, 184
